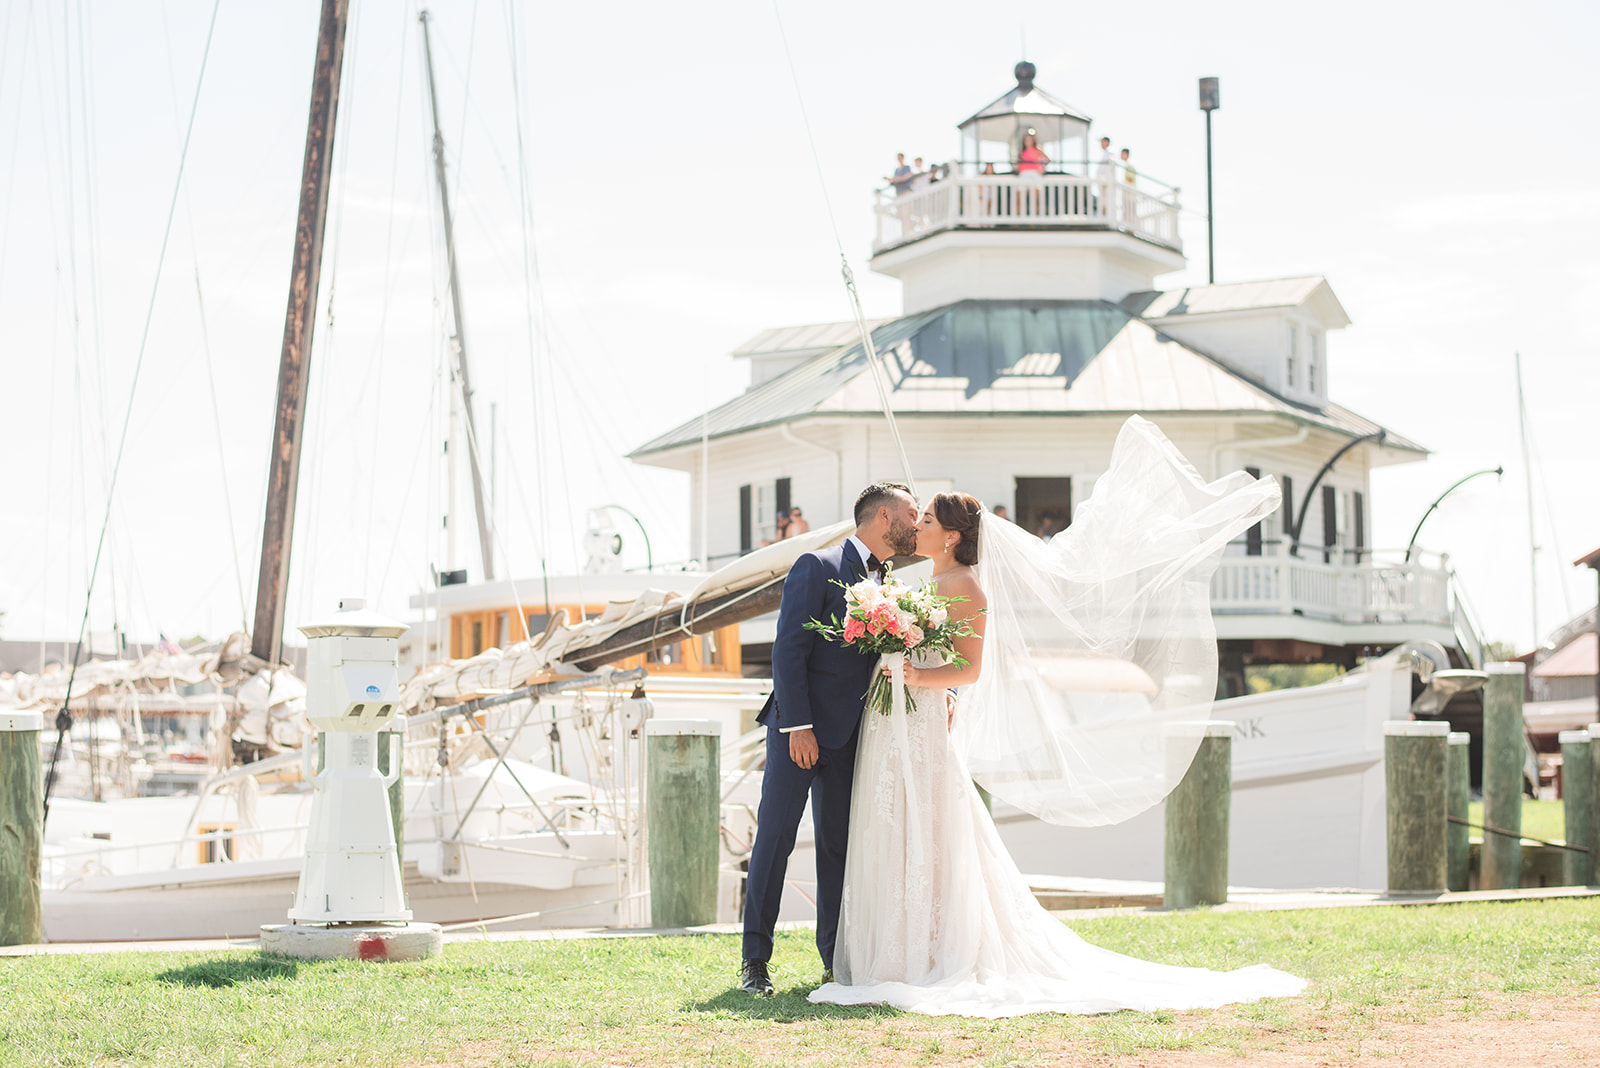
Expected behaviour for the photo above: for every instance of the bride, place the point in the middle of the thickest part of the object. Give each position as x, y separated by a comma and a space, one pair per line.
1083, 650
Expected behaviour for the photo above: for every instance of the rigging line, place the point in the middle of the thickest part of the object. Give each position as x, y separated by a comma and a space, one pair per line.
524, 222
205, 346
216, 421
383, 312
1560, 557
16, 128
405, 498
1527, 469
466, 96
874, 361
64, 717
77, 320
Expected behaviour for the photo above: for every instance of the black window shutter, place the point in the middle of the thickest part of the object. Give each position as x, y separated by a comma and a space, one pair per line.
782, 495
1330, 520
1287, 508
1252, 537
746, 540
1359, 507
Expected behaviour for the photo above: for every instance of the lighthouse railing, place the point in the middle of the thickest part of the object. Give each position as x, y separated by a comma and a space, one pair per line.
1026, 201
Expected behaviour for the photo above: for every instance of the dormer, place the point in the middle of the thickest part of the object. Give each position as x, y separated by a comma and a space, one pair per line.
1025, 213
772, 352
1275, 332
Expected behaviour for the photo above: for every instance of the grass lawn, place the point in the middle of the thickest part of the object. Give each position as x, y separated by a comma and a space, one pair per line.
670, 1001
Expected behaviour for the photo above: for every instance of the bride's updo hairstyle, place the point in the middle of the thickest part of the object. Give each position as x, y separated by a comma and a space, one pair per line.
959, 512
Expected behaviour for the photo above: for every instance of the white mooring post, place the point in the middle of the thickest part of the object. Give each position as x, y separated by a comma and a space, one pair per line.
351, 903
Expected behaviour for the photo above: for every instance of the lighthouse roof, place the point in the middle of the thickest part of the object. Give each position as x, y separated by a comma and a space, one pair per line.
997, 119
1033, 357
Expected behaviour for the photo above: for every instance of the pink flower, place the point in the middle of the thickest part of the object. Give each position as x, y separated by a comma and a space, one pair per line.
854, 629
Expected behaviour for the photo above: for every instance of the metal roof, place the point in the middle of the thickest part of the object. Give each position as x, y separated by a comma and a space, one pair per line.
1038, 357
1230, 297
792, 339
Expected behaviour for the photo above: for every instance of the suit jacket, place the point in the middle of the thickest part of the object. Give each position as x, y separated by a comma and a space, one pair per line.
814, 680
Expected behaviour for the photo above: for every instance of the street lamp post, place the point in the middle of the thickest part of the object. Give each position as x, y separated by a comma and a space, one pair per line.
1305, 502
1210, 100
1412, 544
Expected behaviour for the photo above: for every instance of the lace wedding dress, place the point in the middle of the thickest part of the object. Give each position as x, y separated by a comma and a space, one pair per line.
937, 919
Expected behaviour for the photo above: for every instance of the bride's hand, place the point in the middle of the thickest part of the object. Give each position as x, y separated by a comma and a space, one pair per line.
913, 675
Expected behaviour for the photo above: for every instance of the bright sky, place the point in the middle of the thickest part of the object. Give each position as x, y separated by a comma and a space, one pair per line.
1441, 171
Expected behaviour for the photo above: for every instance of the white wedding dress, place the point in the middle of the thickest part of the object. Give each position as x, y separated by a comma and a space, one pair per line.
1095, 643
937, 919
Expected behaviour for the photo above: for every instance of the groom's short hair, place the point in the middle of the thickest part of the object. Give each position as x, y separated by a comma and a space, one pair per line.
877, 496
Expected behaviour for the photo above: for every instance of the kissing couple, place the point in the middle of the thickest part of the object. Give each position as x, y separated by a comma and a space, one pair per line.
919, 905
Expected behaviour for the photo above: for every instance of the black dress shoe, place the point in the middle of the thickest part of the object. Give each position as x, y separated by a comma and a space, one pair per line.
753, 978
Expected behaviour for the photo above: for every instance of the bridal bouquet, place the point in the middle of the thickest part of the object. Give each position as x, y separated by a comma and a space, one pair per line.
893, 618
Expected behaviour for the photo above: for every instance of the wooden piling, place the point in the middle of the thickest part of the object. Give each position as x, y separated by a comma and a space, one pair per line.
683, 816
1195, 861
1414, 779
1504, 749
1593, 731
1577, 788
1458, 793
21, 829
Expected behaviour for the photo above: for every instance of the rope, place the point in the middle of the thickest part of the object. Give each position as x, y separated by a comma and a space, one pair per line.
1517, 834
879, 377
64, 717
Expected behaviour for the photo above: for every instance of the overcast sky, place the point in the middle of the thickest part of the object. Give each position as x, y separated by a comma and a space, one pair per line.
1439, 168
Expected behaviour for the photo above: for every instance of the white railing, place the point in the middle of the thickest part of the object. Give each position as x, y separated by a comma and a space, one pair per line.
1009, 200
1368, 592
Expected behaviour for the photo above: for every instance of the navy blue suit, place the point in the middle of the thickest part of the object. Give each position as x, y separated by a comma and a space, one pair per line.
823, 684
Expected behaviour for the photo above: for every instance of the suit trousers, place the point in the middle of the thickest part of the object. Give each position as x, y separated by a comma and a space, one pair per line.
784, 789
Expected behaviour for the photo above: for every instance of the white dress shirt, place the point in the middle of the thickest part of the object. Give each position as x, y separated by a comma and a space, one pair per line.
864, 554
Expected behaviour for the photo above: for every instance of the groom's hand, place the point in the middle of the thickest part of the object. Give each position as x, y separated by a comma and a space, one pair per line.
803, 748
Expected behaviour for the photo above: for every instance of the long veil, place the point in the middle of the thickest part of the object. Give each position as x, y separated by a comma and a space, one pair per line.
1100, 642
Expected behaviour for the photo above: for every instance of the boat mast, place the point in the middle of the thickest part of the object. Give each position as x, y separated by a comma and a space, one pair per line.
485, 536
293, 365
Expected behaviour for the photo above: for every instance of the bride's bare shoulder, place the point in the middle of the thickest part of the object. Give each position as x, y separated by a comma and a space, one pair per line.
963, 582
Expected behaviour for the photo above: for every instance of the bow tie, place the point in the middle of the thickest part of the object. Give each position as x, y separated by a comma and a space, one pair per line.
873, 563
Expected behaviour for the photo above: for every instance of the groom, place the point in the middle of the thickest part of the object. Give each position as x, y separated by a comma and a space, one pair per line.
818, 691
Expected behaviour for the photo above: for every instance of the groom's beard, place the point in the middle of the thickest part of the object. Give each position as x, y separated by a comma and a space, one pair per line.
902, 538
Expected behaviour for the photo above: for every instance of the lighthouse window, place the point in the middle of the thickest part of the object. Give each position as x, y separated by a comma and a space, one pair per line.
1313, 358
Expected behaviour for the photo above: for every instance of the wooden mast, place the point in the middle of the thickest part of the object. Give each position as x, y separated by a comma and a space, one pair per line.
289, 427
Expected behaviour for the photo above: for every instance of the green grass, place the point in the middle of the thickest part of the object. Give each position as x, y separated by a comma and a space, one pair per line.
671, 1001
1544, 820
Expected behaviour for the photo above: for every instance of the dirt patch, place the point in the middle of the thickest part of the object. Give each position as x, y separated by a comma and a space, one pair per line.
1506, 1032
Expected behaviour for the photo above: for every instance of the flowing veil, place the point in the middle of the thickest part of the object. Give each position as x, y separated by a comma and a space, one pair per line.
1099, 642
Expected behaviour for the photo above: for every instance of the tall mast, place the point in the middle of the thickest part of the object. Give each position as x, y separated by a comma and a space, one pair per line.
485, 536
283, 479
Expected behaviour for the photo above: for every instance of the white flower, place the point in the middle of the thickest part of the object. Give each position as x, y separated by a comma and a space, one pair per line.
938, 617
914, 637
